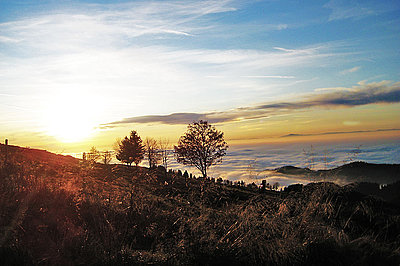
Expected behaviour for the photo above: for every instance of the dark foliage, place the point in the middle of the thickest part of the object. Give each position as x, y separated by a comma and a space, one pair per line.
201, 146
131, 150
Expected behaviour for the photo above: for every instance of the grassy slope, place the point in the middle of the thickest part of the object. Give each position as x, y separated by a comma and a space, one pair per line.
58, 210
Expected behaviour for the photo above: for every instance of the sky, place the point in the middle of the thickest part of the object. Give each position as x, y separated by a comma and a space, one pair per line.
76, 74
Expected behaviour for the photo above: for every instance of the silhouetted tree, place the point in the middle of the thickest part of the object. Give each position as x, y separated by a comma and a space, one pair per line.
93, 155
263, 186
185, 174
164, 146
252, 186
106, 157
201, 146
152, 153
275, 186
130, 150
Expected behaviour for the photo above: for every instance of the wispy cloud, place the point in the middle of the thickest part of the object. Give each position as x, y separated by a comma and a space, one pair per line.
373, 93
130, 58
5, 39
116, 53
351, 123
270, 77
348, 9
356, 9
90, 22
351, 70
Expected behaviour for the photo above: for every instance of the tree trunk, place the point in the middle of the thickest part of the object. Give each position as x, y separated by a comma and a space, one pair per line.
204, 172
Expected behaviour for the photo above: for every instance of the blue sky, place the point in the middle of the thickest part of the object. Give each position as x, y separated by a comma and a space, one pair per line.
141, 61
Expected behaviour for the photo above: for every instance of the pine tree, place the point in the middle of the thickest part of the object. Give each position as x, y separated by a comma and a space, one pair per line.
130, 150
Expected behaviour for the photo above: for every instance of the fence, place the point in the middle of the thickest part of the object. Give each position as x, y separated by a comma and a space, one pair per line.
87, 155
112, 154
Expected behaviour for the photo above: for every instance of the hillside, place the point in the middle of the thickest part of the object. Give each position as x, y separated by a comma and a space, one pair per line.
352, 172
59, 210
36, 155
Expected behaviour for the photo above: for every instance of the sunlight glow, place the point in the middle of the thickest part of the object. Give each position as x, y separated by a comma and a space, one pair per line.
71, 116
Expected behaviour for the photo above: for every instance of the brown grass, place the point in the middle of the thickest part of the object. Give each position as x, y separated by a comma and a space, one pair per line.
71, 213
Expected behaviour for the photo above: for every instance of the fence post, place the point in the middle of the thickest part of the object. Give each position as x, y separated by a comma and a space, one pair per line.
6, 150
84, 156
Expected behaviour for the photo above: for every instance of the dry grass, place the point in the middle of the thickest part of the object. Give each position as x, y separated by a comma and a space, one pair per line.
70, 213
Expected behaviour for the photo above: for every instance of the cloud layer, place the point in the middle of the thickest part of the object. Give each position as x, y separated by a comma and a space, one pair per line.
373, 93
249, 163
339, 132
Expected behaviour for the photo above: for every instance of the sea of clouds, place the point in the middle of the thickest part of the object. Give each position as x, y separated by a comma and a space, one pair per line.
253, 163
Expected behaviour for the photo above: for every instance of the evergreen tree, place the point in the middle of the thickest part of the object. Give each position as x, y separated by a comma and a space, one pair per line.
130, 150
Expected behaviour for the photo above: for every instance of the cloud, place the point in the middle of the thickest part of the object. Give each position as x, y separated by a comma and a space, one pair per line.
284, 49
4, 39
356, 9
173, 119
376, 92
348, 9
373, 93
339, 132
351, 123
270, 77
116, 55
130, 58
250, 162
129, 20
351, 70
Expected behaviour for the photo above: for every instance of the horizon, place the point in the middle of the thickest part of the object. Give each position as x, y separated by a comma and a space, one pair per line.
254, 163
77, 74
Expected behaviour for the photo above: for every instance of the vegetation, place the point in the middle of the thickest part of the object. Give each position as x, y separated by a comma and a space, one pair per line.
201, 146
152, 151
130, 150
106, 157
164, 152
59, 210
94, 155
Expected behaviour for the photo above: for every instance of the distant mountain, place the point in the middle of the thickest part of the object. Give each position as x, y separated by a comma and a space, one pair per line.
352, 172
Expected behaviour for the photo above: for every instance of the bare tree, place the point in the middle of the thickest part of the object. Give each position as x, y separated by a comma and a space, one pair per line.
152, 152
164, 146
201, 146
106, 157
93, 155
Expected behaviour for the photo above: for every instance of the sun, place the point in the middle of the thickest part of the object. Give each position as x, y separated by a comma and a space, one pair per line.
69, 127
70, 117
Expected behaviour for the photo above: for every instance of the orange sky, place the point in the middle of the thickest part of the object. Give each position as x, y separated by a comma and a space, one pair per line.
310, 125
